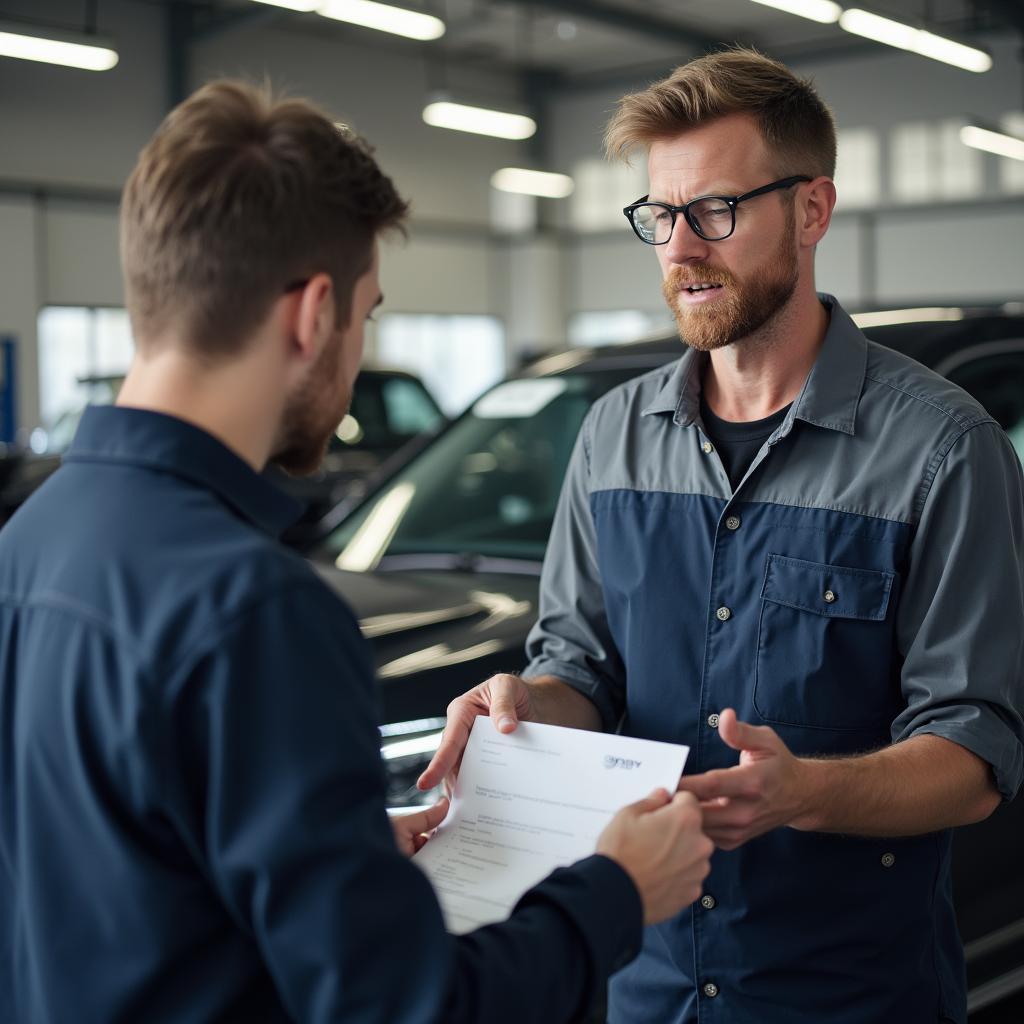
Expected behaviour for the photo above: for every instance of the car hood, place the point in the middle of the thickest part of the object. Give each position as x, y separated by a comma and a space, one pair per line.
435, 634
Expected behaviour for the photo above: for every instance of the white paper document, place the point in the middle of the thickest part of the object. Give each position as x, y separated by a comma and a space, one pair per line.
529, 802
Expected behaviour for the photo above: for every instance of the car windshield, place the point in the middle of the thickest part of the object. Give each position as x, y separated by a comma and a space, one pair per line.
487, 487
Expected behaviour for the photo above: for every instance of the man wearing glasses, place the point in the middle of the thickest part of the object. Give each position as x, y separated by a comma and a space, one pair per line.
794, 550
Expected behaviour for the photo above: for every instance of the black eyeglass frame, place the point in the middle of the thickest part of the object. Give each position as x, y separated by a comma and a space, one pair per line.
731, 201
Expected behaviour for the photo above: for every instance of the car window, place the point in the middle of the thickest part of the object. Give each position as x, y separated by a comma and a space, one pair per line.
488, 486
408, 407
997, 381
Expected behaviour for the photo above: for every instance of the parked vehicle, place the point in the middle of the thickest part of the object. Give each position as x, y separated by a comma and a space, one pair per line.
441, 562
390, 409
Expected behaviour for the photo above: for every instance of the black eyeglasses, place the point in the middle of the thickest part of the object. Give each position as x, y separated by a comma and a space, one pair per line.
711, 217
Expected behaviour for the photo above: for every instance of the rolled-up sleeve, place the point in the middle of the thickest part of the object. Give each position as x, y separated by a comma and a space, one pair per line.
571, 639
961, 619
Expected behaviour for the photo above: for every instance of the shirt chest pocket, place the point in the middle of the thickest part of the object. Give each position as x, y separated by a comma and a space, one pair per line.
825, 647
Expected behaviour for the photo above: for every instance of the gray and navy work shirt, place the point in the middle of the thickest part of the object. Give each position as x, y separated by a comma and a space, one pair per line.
864, 583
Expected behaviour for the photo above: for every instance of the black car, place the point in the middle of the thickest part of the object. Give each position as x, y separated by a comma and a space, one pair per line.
441, 562
390, 409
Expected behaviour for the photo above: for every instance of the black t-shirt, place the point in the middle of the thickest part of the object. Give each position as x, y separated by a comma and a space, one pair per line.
738, 443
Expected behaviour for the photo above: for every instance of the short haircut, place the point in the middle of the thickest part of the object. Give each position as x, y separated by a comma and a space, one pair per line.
238, 196
796, 125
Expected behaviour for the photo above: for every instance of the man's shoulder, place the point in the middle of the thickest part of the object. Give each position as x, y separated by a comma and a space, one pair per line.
901, 383
155, 578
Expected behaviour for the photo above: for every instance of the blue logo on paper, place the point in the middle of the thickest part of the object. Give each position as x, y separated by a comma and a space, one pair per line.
620, 762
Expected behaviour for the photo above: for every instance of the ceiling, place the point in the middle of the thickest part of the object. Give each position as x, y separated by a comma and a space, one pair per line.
582, 43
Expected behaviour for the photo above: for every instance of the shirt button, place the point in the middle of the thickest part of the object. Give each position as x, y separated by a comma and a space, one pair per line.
724, 614
888, 860
708, 902
733, 523
829, 596
713, 721
711, 990
707, 447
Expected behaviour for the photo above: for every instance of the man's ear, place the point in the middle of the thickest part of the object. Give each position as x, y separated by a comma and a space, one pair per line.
314, 316
816, 211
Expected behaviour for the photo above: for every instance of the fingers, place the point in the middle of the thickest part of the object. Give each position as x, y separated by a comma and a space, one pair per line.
722, 782
427, 819
498, 697
449, 751
436, 814
503, 702
652, 802
743, 736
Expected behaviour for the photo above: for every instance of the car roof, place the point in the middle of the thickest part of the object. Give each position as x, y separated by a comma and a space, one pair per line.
934, 338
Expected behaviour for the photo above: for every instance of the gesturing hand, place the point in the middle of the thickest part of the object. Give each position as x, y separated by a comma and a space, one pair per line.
767, 789
411, 829
506, 698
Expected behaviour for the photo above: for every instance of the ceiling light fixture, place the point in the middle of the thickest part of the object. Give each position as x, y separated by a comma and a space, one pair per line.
384, 18
303, 6
916, 40
54, 46
824, 11
532, 183
478, 120
1000, 143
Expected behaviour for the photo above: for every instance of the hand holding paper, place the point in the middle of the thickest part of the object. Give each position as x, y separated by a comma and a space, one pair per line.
540, 798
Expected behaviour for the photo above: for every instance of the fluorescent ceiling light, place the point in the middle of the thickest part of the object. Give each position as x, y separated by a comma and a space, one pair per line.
384, 18
532, 183
885, 317
993, 142
292, 5
916, 40
478, 120
70, 49
824, 11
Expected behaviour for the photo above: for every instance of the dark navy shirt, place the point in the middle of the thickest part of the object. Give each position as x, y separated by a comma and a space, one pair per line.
862, 583
192, 822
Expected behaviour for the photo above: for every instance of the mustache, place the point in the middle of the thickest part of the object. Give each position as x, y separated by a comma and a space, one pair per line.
695, 273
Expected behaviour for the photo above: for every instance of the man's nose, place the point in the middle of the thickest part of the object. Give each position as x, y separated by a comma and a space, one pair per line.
685, 245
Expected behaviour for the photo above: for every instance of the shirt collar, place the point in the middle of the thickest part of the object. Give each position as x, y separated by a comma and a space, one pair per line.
156, 441
828, 398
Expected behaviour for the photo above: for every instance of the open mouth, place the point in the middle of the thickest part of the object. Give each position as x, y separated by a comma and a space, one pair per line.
694, 289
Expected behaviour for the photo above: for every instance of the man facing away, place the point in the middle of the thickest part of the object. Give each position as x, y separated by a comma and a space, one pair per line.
192, 823
795, 546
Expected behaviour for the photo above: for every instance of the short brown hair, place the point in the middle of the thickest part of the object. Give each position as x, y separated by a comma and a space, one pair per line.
794, 122
237, 196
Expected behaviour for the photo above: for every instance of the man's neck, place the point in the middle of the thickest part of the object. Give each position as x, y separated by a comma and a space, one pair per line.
763, 372
236, 402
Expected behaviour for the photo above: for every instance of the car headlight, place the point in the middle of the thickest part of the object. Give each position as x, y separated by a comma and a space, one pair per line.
406, 749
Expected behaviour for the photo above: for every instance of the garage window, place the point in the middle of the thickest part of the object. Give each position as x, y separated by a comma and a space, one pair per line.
84, 353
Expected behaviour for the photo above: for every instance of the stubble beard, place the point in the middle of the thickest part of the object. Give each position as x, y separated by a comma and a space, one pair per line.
311, 415
745, 308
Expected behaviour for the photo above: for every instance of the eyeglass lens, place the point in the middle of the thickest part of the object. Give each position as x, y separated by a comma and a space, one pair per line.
710, 218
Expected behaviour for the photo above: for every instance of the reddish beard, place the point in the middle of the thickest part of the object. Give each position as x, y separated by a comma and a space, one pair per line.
745, 307
311, 414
